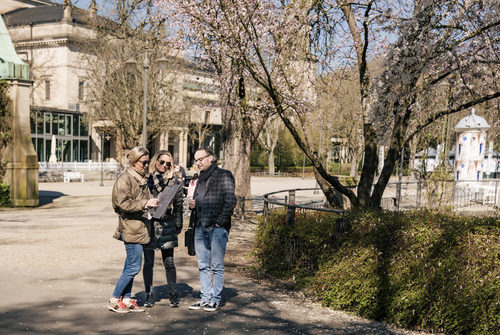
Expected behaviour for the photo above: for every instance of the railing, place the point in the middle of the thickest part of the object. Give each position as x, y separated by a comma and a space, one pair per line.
435, 194
291, 205
79, 166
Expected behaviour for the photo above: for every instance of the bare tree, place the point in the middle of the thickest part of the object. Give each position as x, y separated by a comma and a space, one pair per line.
268, 138
340, 106
115, 94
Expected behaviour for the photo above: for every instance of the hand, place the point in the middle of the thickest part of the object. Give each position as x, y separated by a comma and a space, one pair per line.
152, 203
192, 204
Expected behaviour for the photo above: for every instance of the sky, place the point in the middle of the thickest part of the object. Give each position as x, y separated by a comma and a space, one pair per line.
84, 4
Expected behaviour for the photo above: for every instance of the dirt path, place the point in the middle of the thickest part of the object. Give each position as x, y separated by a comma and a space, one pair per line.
59, 265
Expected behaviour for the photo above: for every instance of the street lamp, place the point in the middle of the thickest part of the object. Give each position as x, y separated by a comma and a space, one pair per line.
107, 137
130, 64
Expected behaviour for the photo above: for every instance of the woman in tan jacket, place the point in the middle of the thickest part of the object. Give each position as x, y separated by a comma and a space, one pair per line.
131, 198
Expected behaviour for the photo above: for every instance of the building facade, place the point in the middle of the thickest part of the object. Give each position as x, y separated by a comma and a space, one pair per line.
470, 147
46, 37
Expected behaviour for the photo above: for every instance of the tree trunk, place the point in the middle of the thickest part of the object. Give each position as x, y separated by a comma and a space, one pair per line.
354, 164
370, 164
413, 153
270, 163
237, 160
333, 196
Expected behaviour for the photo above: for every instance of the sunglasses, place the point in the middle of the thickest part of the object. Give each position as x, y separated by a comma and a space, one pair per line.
165, 163
144, 163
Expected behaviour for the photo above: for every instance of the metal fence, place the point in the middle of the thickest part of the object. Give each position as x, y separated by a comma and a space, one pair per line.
438, 194
435, 194
79, 166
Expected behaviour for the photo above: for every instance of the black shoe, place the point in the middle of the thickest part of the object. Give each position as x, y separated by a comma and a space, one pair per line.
212, 307
174, 301
198, 305
150, 300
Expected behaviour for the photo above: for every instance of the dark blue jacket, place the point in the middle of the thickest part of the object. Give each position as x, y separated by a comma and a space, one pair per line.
216, 205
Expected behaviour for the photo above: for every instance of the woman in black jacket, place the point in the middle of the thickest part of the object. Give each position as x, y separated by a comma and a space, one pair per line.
163, 232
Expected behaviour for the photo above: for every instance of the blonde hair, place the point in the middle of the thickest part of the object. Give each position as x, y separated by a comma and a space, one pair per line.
156, 157
133, 155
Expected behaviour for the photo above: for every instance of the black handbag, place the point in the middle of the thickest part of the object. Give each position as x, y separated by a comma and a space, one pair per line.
189, 236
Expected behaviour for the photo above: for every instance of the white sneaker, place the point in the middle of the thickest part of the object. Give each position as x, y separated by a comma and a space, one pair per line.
132, 305
117, 306
198, 305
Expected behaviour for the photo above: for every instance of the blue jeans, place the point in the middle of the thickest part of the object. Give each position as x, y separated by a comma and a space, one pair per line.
132, 266
210, 251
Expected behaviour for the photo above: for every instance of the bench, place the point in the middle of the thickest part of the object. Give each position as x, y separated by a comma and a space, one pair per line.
72, 175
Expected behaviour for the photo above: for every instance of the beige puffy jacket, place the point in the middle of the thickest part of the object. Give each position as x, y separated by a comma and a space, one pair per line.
129, 198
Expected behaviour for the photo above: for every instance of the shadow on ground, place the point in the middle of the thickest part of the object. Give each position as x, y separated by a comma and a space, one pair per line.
47, 197
256, 316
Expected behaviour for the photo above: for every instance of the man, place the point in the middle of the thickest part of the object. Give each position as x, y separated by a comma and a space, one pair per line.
212, 204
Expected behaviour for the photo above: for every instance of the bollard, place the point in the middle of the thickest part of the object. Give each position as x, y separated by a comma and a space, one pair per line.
290, 216
242, 208
266, 210
419, 193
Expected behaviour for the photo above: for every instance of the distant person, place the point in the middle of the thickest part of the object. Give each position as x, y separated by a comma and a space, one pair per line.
192, 186
165, 230
131, 199
212, 204
180, 172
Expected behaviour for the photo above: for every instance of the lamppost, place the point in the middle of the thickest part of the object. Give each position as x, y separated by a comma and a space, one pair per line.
130, 64
107, 137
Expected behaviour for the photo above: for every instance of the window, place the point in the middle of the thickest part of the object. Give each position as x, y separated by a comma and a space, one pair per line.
48, 122
39, 122
459, 149
76, 125
81, 90
84, 129
480, 148
47, 89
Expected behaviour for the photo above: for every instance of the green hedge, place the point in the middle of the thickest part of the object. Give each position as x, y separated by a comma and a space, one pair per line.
4, 195
418, 270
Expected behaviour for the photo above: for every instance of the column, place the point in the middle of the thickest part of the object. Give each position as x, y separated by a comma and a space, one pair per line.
22, 160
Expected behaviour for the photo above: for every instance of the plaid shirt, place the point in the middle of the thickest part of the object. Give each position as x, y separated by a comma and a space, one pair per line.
216, 205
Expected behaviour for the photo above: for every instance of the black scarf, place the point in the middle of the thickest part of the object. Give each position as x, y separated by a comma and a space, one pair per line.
201, 185
204, 175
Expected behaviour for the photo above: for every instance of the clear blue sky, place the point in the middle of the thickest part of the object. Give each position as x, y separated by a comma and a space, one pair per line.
81, 3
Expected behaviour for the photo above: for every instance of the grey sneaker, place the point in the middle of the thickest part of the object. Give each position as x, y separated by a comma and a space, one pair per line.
198, 305
212, 307
150, 300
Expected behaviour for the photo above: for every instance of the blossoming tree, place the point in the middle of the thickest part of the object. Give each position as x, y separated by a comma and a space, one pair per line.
284, 46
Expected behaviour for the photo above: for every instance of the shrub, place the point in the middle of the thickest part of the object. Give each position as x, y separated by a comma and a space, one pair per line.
4, 195
415, 269
283, 249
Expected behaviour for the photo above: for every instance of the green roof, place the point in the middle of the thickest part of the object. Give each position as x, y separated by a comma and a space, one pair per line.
11, 66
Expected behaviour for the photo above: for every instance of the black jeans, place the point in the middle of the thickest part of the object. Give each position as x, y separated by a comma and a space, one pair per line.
168, 261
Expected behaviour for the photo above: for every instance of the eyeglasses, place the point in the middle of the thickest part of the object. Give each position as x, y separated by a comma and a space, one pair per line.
144, 163
165, 163
199, 160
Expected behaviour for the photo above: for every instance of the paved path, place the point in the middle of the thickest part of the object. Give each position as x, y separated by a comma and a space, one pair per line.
59, 265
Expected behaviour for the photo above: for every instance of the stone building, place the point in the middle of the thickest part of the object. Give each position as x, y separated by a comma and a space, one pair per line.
45, 35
